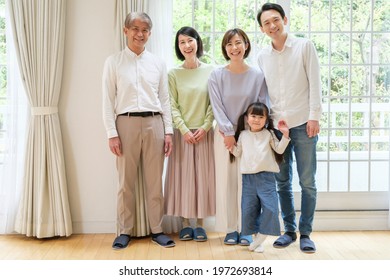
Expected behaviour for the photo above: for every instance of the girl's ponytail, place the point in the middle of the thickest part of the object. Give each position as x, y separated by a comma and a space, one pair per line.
270, 127
240, 127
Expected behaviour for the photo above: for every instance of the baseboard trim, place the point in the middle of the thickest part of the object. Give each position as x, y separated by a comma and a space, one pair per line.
323, 221
94, 227
351, 220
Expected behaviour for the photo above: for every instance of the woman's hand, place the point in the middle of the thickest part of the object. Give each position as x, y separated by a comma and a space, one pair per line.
199, 134
189, 138
229, 141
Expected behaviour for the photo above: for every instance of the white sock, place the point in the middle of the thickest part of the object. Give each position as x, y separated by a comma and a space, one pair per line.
259, 249
258, 240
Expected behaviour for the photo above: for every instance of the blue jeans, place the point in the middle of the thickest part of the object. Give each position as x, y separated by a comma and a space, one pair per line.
304, 149
259, 204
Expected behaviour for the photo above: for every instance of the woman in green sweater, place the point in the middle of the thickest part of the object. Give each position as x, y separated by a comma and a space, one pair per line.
189, 190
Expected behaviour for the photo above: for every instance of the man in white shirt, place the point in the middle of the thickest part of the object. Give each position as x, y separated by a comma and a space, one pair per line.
292, 74
138, 121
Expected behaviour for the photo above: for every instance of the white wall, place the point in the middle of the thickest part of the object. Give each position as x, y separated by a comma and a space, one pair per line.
90, 167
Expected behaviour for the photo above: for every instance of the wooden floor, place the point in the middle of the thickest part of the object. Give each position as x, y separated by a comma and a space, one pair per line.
354, 245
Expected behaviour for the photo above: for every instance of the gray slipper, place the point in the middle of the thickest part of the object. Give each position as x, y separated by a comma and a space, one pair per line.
163, 241
231, 238
307, 245
186, 233
283, 241
200, 234
121, 242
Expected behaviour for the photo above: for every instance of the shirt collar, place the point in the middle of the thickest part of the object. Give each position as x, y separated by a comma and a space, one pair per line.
133, 54
287, 44
289, 41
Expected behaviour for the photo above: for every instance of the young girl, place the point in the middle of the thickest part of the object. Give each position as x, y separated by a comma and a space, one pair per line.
260, 153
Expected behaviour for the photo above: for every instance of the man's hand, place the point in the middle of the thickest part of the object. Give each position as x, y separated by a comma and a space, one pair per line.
115, 146
168, 146
312, 128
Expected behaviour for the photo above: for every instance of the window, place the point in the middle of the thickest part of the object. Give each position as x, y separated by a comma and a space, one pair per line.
13, 119
211, 18
354, 147
352, 38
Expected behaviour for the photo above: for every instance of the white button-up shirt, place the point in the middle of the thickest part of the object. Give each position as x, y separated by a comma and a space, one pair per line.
135, 83
293, 80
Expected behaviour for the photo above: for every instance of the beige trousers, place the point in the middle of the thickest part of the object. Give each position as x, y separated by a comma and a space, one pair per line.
141, 138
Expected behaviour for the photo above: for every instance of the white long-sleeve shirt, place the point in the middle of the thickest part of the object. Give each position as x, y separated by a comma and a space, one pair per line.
293, 80
135, 83
256, 151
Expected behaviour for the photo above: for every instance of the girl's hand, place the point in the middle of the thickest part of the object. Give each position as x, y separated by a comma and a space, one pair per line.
282, 126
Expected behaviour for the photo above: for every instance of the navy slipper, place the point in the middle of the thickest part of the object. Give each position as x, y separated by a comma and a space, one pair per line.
121, 242
200, 234
231, 238
307, 245
186, 233
283, 241
163, 241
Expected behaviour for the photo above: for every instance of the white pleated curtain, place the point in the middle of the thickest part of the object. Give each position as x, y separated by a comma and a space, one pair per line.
39, 33
158, 43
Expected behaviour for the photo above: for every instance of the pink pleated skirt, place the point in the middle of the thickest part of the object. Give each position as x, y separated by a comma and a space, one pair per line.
189, 189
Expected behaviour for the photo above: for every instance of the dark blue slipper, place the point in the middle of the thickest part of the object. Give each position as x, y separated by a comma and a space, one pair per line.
121, 242
186, 233
200, 234
163, 241
283, 241
307, 245
231, 238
